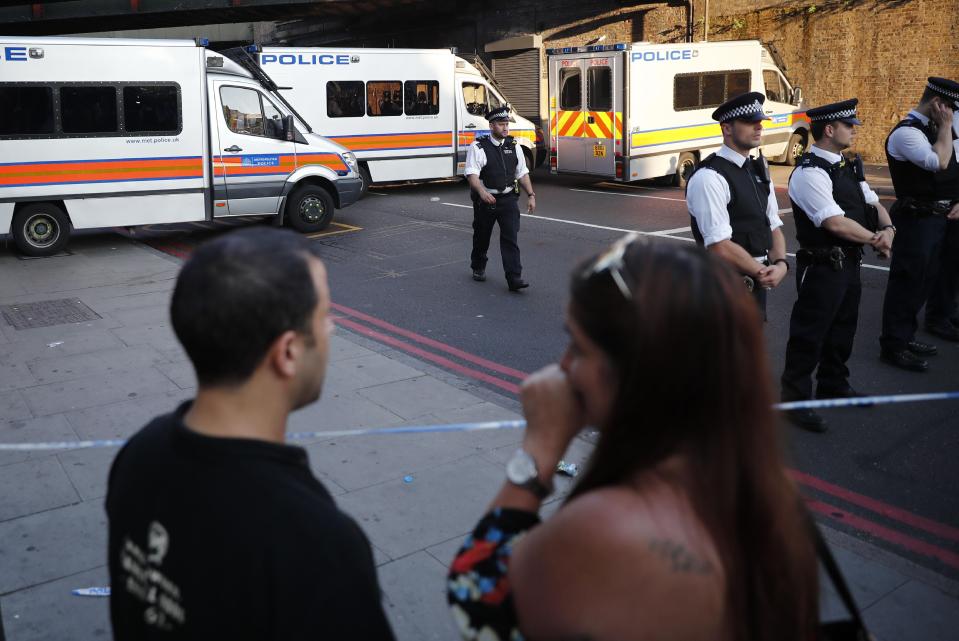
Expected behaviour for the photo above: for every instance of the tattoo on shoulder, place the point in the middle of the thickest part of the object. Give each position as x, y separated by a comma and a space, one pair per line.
679, 557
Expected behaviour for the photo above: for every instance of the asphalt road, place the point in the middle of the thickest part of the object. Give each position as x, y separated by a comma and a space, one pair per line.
399, 268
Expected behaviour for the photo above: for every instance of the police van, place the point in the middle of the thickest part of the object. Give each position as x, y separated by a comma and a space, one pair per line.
115, 133
407, 114
635, 111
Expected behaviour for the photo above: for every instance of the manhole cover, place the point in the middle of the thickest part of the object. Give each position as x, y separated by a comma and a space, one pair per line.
45, 313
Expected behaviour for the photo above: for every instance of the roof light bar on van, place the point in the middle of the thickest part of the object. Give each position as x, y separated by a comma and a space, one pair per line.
203, 42
253, 48
591, 48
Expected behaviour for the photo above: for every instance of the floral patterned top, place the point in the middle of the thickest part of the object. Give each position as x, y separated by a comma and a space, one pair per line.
477, 587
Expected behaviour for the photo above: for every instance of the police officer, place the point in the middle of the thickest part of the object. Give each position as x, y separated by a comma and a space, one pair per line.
942, 311
925, 175
732, 201
836, 213
494, 166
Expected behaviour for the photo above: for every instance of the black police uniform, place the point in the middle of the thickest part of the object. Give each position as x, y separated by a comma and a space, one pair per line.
824, 317
749, 187
923, 198
498, 175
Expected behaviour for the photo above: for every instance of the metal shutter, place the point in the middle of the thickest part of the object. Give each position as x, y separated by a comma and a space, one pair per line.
518, 74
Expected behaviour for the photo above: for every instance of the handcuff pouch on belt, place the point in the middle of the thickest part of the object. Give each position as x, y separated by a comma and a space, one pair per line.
914, 207
835, 257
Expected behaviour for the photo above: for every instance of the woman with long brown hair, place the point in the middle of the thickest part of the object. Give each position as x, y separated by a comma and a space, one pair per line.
683, 524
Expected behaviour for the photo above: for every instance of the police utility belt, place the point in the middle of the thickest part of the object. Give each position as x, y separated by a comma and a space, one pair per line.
835, 257
917, 207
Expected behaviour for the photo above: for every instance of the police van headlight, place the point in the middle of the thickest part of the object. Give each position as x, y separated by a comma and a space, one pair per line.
350, 159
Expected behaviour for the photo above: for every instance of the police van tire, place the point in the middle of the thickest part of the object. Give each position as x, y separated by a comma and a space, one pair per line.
41, 229
310, 209
684, 169
366, 178
795, 149
529, 159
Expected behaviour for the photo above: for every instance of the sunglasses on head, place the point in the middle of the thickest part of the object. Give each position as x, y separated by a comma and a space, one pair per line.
612, 261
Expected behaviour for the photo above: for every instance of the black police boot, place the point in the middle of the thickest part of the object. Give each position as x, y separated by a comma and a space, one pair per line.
807, 419
944, 329
479, 275
922, 349
903, 359
516, 284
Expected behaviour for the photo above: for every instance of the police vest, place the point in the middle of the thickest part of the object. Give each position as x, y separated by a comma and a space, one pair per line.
847, 193
912, 181
749, 193
501, 161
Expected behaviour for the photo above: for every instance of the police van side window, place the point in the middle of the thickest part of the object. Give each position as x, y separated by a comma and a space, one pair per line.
773, 87
474, 97
151, 108
570, 89
384, 98
246, 112
708, 90
599, 89
422, 97
26, 111
88, 110
344, 99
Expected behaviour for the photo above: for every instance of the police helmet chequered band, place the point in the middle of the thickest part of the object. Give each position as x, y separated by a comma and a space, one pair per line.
944, 87
748, 106
844, 111
501, 113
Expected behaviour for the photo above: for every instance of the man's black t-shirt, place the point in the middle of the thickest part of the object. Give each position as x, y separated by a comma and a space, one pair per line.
221, 538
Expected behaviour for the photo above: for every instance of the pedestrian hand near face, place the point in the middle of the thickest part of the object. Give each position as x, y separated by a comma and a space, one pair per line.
732, 200
836, 215
218, 529
495, 169
683, 524
925, 174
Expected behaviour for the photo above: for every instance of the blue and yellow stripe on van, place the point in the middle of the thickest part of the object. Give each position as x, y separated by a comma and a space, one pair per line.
275, 164
691, 133
75, 172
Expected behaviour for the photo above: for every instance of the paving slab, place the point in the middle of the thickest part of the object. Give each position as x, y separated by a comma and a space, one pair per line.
34, 486
914, 612
124, 418
415, 591
34, 430
13, 406
88, 470
419, 397
101, 362
67, 341
49, 611
96, 390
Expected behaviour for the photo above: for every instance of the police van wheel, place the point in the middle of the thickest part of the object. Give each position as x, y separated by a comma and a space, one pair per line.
310, 209
366, 178
684, 169
41, 229
529, 159
795, 149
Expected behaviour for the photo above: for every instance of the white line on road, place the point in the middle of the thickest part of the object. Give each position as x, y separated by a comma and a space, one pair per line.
666, 233
619, 193
457, 205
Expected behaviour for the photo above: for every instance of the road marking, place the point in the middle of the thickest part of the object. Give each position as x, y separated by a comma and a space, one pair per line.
666, 233
619, 193
458, 205
345, 230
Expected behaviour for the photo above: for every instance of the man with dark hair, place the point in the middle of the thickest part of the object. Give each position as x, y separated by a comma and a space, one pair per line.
732, 201
836, 213
218, 529
925, 175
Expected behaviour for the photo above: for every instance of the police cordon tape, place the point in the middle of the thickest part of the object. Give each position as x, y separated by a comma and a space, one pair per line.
864, 401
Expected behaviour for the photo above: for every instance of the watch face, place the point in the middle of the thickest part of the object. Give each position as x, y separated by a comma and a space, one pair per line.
520, 468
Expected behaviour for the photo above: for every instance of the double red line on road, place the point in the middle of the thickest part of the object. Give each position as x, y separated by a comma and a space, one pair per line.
492, 373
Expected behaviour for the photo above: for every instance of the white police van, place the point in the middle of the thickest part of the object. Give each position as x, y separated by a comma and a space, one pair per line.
116, 133
407, 114
634, 111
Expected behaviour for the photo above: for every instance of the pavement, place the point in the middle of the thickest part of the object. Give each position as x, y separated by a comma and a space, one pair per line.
105, 361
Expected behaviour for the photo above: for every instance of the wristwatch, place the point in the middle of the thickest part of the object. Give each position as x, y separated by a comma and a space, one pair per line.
885, 227
521, 471
783, 261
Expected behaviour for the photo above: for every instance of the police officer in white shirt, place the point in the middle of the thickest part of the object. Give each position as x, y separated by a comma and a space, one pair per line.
495, 166
836, 213
733, 203
925, 174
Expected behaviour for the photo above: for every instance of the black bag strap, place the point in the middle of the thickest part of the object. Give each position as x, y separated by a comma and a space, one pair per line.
837, 578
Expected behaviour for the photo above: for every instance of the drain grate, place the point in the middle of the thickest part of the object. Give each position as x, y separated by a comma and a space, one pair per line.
46, 313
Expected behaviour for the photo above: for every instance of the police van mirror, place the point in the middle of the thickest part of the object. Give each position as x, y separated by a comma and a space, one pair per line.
288, 132
797, 95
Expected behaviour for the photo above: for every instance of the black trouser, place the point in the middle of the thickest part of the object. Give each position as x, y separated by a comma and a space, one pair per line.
941, 305
822, 326
915, 261
506, 213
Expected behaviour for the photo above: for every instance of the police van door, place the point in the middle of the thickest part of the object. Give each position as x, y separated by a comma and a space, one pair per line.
586, 112
252, 157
